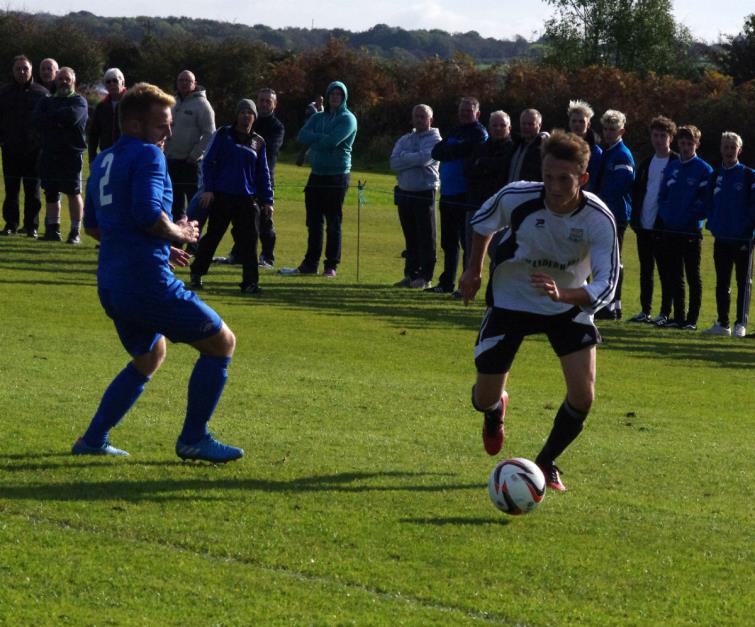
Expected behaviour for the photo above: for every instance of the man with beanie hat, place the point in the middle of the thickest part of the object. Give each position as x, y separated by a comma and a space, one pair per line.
330, 136
236, 178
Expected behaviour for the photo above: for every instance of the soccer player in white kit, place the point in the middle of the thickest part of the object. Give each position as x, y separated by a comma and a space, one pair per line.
555, 236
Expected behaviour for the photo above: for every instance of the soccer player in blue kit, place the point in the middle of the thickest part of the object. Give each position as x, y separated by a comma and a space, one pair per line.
128, 208
556, 236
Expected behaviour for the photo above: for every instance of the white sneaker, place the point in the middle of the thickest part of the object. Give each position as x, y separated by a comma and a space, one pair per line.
717, 329
739, 330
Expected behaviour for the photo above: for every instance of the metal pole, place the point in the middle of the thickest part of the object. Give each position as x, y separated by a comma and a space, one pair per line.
360, 200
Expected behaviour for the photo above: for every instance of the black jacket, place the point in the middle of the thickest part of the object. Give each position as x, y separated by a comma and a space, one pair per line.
532, 165
487, 170
640, 189
104, 130
17, 103
272, 131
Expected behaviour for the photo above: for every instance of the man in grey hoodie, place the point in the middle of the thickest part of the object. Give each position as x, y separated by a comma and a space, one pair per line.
417, 174
193, 125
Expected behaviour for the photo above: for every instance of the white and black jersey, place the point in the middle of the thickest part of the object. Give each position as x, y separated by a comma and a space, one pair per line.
568, 247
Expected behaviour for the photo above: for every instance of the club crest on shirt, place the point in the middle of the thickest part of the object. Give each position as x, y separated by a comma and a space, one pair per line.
540, 223
692, 182
576, 235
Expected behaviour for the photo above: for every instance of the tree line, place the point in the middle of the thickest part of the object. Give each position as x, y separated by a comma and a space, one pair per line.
382, 91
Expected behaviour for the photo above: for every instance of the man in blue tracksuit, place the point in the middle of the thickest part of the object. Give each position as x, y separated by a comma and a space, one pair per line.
236, 183
330, 136
731, 219
452, 152
681, 209
613, 183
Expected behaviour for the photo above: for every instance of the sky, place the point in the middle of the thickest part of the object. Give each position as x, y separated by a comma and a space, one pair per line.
503, 19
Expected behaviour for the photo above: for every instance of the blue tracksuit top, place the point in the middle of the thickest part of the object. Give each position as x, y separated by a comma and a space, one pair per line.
237, 167
731, 203
452, 153
681, 199
614, 180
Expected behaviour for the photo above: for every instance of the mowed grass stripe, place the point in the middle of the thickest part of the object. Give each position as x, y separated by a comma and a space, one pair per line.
428, 609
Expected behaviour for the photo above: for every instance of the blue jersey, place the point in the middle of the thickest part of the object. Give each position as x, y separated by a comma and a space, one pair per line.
128, 190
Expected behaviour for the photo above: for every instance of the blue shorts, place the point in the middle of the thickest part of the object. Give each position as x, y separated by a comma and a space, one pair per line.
141, 318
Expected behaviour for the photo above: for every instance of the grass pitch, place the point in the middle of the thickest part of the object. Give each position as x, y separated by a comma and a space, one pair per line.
362, 498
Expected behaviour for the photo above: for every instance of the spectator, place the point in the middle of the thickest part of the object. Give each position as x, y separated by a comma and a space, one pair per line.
316, 106
235, 178
644, 218
62, 120
193, 125
48, 70
330, 135
272, 131
681, 210
417, 174
580, 123
731, 219
613, 183
525, 162
105, 130
20, 148
487, 169
452, 151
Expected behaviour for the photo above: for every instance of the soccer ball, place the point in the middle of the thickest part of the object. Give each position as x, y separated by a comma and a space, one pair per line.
516, 486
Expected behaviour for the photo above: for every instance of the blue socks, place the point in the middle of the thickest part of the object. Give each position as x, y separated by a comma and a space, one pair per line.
119, 397
205, 388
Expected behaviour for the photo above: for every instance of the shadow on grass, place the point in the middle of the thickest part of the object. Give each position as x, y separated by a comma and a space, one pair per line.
170, 489
456, 520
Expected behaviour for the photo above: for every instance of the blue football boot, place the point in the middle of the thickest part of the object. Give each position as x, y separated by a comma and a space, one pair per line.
82, 448
208, 449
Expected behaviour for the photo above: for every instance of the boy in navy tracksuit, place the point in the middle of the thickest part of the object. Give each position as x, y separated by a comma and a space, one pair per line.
236, 182
613, 184
731, 219
681, 209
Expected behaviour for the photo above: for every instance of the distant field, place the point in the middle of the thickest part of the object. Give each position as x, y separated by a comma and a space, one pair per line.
362, 498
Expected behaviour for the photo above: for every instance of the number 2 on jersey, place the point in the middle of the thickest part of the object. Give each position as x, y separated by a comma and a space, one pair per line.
107, 163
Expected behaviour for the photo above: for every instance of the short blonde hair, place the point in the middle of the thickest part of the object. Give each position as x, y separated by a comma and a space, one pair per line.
138, 101
580, 106
613, 119
567, 147
732, 136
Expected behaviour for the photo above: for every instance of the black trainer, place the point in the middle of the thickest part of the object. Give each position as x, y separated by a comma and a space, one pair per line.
74, 237
251, 288
195, 282
52, 233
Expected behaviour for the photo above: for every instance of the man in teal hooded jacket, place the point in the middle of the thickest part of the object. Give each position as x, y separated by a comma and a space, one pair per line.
329, 136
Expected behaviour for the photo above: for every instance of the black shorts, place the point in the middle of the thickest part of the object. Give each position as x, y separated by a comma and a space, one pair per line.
502, 332
61, 174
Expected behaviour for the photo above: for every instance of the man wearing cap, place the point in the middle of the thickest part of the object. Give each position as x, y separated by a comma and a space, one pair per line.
236, 182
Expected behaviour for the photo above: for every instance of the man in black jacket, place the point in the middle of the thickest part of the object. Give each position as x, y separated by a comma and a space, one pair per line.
644, 218
487, 169
452, 151
525, 162
20, 148
272, 131
104, 130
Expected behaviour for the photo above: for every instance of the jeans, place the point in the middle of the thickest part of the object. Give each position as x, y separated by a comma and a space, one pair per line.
323, 198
